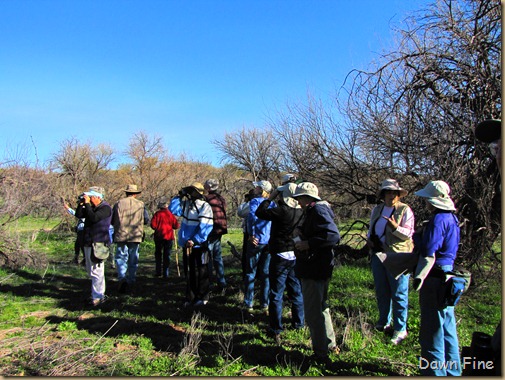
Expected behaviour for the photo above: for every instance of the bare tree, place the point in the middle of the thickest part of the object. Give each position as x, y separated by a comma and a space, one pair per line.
79, 165
253, 151
416, 113
411, 117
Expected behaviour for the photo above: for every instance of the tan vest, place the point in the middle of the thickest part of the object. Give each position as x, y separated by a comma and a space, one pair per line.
393, 242
128, 220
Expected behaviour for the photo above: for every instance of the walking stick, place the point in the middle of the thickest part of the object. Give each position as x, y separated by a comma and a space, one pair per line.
187, 252
177, 256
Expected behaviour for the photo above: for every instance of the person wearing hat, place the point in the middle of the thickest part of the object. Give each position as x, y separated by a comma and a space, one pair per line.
196, 225
218, 204
288, 178
79, 229
392, 226
129, 216
97, 218
163, 223
316, 237
438, 250
285, 217
489, 131
242, 212
257, 260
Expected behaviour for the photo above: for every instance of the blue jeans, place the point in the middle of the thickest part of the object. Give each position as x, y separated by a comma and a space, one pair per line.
317, 315
257, 261
127, 261
163, 248
216, 259
282, 276
392, 295
437, 335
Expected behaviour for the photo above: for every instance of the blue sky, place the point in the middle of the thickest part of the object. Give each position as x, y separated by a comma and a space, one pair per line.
189, 71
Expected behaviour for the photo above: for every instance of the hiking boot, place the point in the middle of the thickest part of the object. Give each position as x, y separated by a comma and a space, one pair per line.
398, 336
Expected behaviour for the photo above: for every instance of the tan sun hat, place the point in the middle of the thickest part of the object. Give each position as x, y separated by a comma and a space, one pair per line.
391, 184
132, 189
437, 193
307, 188
198, 187
288, 190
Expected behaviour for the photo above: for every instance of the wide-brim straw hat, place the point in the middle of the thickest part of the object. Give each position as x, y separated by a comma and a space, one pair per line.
391, 184
197, 186
132, 189
437, 194
307, 188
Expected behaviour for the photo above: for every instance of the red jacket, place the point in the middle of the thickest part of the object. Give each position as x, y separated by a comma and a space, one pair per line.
164, 223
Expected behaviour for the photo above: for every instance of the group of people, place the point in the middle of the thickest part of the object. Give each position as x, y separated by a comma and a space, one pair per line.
289, 246
391, 234
100, 225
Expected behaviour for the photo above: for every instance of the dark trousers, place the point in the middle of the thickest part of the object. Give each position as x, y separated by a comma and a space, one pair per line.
163, 248
196, 271
244, 254
79, 244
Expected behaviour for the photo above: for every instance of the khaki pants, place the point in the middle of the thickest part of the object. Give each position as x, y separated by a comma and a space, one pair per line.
96, 271
317, 315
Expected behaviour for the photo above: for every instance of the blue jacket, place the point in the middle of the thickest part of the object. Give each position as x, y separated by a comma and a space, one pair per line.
257, 227
197, 220
441, 238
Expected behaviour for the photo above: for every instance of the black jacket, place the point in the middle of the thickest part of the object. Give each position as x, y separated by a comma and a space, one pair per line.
284, 220
320, 230
96, 225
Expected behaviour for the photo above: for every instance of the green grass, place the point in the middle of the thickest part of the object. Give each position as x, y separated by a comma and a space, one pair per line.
46, 327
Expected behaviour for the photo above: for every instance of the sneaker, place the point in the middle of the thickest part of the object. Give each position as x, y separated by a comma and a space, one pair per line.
398, 336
